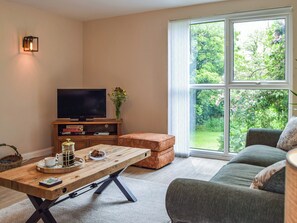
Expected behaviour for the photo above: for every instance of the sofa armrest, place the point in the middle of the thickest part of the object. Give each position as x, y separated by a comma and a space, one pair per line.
191, 201
268, 137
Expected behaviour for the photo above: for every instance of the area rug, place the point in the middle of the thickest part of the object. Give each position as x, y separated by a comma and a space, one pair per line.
109, 207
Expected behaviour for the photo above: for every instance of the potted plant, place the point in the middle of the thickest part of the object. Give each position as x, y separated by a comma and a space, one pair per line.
118, 96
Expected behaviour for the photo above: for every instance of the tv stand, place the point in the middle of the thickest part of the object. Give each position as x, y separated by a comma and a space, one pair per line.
82, 120
94, 132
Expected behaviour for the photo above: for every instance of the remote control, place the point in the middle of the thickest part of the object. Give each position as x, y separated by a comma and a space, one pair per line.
50, 182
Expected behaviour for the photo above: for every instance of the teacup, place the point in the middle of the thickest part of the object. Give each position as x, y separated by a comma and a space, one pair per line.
50, 161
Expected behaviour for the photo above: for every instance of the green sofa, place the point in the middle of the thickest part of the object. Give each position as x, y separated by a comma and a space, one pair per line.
227, 197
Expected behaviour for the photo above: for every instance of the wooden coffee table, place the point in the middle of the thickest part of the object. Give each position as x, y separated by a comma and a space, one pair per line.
26, 179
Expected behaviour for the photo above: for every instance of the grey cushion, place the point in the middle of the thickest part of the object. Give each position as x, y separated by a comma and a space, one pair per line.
288, 138
276, 183
259, 155
239, 174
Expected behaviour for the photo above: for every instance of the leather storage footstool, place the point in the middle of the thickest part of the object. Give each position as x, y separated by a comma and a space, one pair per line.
161, 146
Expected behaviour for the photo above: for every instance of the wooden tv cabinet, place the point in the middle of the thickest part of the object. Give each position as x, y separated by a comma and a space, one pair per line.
112, 126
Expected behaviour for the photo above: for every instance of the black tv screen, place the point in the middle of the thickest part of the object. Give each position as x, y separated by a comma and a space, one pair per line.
81, 103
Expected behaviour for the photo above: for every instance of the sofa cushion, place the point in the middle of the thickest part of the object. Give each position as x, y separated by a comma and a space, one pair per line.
277, 182
239, 174
264, 180
259, 155
288, 138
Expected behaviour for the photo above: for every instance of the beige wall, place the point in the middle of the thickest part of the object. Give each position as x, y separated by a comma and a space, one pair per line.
127, 51
131, 52
29, 81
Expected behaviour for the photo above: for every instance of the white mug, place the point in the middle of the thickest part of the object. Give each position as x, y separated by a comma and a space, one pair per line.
50, 161
59, 158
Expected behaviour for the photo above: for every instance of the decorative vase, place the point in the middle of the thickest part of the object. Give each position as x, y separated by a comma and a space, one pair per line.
118, 96
118, 112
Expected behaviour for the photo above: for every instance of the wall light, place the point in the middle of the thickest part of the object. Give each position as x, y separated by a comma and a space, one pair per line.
30, 44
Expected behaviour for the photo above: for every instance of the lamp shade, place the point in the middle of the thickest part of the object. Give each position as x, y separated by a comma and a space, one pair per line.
291, 187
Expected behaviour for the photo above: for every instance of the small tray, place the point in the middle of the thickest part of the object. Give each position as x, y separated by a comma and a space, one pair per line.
78, 163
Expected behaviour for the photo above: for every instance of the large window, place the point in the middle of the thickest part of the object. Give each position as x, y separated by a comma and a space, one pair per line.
239, 78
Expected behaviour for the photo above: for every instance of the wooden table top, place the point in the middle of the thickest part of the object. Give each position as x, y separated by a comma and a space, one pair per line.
26, 178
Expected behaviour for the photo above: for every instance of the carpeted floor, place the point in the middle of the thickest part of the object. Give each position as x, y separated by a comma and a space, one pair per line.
109, 207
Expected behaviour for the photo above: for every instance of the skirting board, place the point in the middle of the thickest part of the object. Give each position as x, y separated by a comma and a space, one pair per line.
38, 153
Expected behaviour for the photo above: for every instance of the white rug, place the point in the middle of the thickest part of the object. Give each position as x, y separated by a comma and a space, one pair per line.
109, 207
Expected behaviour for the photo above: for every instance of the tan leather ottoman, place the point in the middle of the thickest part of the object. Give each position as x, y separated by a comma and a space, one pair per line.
161, 146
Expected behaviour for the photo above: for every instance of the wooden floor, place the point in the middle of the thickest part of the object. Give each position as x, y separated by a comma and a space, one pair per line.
194, 168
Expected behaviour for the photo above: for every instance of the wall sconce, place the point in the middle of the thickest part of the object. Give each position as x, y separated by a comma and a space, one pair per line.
30, 44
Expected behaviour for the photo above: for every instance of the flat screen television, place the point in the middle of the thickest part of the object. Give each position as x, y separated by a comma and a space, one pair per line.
81, 104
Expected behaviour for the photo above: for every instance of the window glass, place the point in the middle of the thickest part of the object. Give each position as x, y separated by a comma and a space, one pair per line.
255, 109
259, 50
207, 119
207, 53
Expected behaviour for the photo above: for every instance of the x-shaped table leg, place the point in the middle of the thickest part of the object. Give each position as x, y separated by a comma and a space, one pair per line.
115, 177
42, 206
42, 210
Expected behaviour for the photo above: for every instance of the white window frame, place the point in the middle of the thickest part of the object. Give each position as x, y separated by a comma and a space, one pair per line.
230, 83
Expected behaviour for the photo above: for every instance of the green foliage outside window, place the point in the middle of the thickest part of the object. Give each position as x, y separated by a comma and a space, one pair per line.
260, 58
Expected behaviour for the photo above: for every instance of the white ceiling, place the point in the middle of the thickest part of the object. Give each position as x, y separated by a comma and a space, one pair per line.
95, 9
